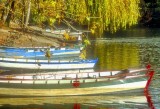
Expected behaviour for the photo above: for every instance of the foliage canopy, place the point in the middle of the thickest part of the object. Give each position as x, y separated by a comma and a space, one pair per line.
100, 15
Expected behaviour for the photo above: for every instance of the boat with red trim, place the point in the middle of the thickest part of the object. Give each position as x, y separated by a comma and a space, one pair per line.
78, 85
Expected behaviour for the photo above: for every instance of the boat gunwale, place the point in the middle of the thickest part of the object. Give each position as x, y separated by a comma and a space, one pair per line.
72, 79
112, 73
47, 61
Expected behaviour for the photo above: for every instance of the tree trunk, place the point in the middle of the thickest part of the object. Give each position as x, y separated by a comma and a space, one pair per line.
4, 12
10, 14
23, 14
28, 13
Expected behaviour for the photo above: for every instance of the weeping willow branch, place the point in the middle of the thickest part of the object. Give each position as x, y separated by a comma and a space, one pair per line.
113, 14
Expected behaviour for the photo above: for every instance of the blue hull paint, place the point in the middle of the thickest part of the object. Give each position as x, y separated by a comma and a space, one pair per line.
40, 53
37, 52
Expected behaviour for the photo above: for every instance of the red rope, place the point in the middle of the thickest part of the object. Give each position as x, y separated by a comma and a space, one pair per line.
149, 100
77, 106
150, 73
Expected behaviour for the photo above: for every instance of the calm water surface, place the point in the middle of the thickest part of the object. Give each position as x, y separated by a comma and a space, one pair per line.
141, 48
76, 102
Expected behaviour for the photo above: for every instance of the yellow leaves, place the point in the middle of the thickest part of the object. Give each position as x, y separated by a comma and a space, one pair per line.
53, 3
88, 19
87, 42
120, 14
93, 27
77, 10
92, 31
83, 54
47, 10
48, 54
49, 3
51, 21
110, 15
90, 2
66, 36
58, 16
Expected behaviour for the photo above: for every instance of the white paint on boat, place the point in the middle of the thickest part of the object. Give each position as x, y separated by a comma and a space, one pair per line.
135, 85
37, 66
13, 63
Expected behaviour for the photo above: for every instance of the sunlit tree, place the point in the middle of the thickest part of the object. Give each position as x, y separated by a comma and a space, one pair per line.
99, 15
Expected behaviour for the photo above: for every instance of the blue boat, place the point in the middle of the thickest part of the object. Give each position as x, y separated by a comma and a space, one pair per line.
38, 52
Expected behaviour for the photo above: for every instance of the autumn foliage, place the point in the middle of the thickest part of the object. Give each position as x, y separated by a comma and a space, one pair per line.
99, 15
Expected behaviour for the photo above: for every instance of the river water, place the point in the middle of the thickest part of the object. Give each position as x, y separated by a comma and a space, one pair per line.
126, 49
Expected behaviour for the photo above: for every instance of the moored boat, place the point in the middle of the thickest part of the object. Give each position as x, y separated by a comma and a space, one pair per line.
31, 52
33, 64
76, 86
41, 54
87, 73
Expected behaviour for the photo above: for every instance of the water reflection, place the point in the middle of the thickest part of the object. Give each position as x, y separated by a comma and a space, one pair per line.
76, 102
129, 53
137, 32
115, 55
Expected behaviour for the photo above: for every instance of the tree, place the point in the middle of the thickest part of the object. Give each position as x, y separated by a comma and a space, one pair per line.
4, 5
104, 15
100, 15
28, 12
11, 12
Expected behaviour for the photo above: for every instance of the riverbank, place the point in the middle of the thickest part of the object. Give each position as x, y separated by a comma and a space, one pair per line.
32, 37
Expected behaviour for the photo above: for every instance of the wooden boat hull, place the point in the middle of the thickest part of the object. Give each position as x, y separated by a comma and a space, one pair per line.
11, 49
34, 54
70, 87
29, 64
69, 74
29, 52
